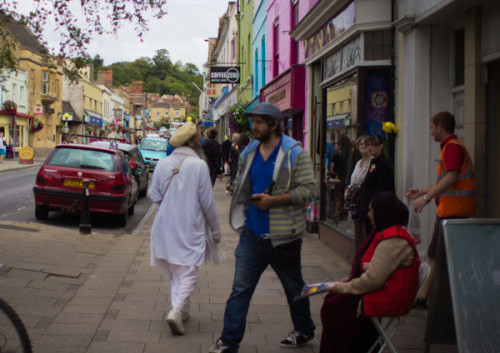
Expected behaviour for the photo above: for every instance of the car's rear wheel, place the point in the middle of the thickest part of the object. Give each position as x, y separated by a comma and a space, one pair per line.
41, 212
122, 219
144, 191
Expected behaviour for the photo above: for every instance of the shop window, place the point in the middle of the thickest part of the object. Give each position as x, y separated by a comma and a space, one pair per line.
340, 111
459, 75
45, 82
378, 45
294, 45
276, 49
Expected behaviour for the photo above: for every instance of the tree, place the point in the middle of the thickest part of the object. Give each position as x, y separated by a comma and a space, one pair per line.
76, 24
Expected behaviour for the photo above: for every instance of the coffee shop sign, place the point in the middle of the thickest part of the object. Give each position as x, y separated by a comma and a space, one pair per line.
225, 74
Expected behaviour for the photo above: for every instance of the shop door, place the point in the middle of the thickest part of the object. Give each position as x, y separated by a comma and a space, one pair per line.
493, 143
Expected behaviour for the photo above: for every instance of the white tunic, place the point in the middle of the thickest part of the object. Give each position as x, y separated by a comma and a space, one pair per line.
187, 212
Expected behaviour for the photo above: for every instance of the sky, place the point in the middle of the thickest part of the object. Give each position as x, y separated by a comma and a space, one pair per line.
182, 32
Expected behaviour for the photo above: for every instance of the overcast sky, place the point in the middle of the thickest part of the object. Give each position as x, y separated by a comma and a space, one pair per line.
182, 32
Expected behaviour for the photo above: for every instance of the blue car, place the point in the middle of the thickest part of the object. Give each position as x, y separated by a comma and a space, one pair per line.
153, 149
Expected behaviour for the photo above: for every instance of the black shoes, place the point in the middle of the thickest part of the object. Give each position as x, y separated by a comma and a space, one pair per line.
220, 347
420, 304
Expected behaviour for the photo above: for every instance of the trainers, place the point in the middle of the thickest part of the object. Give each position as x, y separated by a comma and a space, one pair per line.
420, 304
296, 339
220, 347
174, 320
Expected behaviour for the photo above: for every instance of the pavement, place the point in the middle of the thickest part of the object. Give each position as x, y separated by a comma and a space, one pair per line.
98, 293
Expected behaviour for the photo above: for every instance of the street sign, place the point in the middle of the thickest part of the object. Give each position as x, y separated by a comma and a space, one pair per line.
38, 110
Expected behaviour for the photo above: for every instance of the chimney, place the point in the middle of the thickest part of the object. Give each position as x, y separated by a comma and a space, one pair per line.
108, 78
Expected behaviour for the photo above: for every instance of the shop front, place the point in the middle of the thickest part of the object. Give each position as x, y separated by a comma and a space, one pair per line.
15, 128
94, 125
287, 91
350, 69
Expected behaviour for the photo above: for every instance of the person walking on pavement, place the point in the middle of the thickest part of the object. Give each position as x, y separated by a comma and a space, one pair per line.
186, 217
225, 148
2, 147
234, 155
454, 190
212, 153
275, 181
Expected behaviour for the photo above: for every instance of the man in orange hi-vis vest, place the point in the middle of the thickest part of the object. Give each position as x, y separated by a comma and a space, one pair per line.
454, 190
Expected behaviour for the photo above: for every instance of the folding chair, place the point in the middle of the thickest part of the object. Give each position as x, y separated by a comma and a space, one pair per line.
387, 329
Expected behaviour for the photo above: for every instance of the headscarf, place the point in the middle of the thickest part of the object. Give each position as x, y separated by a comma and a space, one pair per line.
388, 210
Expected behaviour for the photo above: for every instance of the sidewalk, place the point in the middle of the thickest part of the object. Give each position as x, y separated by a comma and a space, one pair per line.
97, 293
13, 164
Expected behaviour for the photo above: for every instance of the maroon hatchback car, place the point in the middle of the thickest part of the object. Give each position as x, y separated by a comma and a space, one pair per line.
58, 187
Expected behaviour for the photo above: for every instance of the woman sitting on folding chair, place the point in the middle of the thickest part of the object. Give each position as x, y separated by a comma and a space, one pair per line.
383, 281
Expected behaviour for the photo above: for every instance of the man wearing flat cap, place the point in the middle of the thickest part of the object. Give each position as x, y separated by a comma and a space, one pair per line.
274, 183
186, 216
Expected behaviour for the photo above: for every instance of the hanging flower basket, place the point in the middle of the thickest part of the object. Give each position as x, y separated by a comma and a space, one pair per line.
9, 107
37, 125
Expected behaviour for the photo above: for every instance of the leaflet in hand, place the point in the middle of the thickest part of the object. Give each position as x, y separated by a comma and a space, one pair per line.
316, 288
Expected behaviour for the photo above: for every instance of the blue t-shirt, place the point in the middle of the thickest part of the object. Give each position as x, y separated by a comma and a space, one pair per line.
330, 152
261, 176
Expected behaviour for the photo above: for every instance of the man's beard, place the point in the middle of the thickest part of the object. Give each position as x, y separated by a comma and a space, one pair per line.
263, 136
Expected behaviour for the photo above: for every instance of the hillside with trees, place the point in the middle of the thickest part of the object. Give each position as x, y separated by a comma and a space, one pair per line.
160, 75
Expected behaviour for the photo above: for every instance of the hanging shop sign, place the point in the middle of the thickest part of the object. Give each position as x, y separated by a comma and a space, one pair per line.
224, 74
38, 110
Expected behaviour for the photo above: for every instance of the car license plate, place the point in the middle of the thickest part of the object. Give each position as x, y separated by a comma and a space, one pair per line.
77, 183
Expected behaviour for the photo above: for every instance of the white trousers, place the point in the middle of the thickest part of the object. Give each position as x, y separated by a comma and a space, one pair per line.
182, 281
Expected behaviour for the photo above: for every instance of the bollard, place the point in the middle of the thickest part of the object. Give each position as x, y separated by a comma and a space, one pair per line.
85, 226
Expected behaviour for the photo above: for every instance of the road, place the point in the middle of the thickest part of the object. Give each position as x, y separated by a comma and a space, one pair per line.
17, 204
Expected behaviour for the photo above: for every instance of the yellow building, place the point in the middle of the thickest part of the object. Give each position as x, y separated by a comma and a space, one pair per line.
92, 107
44, 91
167, 112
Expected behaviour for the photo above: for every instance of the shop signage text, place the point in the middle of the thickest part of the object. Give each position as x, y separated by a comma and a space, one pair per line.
224, 74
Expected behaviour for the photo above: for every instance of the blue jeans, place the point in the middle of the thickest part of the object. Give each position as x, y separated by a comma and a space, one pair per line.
253, 255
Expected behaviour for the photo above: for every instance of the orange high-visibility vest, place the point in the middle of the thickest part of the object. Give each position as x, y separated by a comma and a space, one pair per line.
459, 200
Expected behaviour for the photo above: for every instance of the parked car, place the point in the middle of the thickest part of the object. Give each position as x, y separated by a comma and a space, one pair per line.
153, 149
58, 186
136, 162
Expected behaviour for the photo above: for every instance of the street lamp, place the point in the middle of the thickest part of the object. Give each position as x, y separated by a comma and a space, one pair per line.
65, 129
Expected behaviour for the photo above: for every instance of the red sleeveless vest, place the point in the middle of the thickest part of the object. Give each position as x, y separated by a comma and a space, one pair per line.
398, 293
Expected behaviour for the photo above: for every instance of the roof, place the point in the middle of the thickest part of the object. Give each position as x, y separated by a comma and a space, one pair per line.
68, 108
25, 36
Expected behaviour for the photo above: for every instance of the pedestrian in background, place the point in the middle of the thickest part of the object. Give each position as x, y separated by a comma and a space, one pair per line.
454, 190
268, 209
234, 155
211, 148
225, 148
186, 217
3, 149
351, 195
380, 177
243, 142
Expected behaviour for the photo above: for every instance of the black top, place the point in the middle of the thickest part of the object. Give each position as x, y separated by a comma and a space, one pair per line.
225, 148
211, 148
380, 177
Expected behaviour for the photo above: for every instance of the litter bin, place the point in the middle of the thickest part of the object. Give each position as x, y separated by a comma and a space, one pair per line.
9, 151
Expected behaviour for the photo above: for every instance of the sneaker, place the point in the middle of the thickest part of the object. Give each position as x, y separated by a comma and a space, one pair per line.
420, 304
220, 347
174, 320
296, 339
